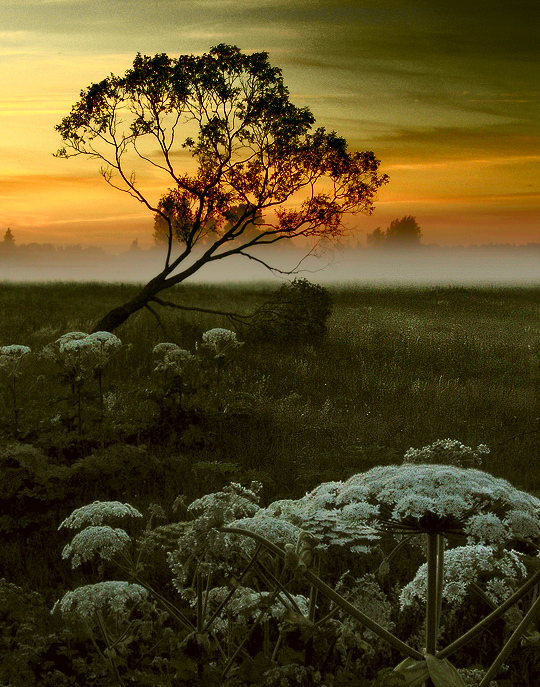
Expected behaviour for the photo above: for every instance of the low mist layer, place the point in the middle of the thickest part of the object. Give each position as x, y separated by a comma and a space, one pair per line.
482, 265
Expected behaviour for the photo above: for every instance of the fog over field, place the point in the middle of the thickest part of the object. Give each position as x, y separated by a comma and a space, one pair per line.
484, 265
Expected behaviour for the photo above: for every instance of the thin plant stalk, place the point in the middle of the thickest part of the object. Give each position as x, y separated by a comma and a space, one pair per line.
101, 407
440, 576
491, 618
15, 408
431, 599
200, 619
105, 634
510, 644
331, 594
232, 591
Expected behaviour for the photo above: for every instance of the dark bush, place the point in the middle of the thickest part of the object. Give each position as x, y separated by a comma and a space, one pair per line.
296, 313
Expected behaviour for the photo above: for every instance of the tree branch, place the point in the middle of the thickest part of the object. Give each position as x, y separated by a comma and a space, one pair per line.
232, 316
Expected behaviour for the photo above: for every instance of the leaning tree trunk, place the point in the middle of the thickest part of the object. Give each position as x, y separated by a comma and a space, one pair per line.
117, 316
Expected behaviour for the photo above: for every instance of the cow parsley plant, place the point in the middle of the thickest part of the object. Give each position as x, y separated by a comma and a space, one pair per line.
98, 513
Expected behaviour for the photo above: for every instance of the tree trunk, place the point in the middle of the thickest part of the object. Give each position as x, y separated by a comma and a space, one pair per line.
117, 316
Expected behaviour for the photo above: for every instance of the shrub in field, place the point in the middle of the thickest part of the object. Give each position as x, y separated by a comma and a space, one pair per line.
252, 605
296, 313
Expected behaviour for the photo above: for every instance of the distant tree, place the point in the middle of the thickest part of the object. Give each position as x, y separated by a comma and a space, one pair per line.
135, 245
401, 232
9, 239
261, 174
404, 231
376, 238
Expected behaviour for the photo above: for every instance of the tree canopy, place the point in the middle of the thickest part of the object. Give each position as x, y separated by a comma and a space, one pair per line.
9, 239
244, 167
401, 232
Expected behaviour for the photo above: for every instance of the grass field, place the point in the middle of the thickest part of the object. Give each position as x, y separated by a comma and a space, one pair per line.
400, 367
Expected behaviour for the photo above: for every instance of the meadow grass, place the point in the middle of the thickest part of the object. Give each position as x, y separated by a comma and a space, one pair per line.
400, 367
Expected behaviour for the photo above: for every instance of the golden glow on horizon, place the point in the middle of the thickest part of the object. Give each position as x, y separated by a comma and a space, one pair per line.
457, 133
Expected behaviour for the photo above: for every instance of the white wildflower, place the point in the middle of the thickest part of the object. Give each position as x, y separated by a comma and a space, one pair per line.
448, 452
161, 348
464, 565
523, 525
434, 498
70, 336
172, 359
275, 531
487, 528
106, 339
82, 604
10, 356
86, 346
102, 540
99, 512
107, 343
220, 341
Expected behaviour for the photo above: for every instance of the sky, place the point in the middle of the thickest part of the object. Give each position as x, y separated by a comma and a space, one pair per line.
444, 92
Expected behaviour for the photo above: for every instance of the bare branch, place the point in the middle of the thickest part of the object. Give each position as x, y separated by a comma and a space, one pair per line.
232, 316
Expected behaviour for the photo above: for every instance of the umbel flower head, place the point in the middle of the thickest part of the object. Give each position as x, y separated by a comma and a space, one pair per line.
440, 499
82, 353
464, 565
172, 359
447, 452
102, 540
220, 341
111, 597
98, 513
10, 357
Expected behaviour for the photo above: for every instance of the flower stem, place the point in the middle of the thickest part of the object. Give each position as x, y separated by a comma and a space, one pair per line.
510, 644
432, 600
331, 594
488, 620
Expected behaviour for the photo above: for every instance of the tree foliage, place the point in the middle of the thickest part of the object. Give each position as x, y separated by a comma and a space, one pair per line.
247, 156
401, 232
9, 239
296, 313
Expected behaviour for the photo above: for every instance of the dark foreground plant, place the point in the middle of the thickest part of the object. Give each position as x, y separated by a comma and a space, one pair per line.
251, 603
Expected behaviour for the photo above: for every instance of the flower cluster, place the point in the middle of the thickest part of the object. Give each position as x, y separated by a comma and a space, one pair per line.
246, 603
220, 341
172, 359
102, 540
99, 512
79, 353
291, 674
417, 498
10, 357
203, 543
447, 452
83, 603
317, 513
464, 565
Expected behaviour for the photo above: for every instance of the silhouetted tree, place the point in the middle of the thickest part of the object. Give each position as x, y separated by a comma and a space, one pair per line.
376, 238
404, 231
401, 232
9, 239
256, 156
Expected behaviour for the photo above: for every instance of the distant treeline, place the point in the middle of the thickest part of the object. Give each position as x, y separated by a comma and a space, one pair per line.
31, 251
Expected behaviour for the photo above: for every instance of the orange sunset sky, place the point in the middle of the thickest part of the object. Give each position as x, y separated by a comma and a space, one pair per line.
445, 94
